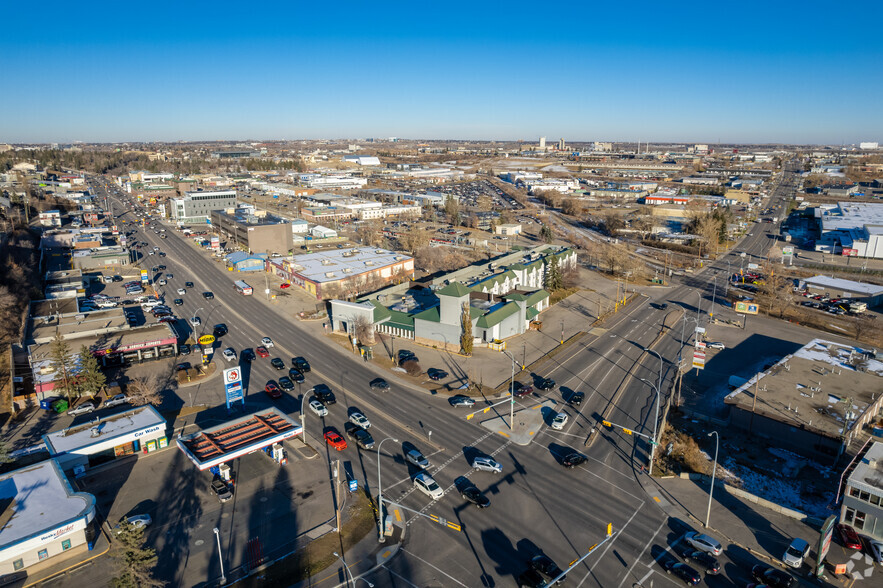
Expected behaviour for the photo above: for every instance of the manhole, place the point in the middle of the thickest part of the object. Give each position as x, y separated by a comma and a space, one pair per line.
198, 542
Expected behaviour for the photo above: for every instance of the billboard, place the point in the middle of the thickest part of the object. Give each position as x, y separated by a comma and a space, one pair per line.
847, 252
216, 242
746, 307
233, 386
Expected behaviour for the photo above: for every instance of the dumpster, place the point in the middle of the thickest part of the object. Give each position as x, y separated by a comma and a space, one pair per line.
60, 406
46, 403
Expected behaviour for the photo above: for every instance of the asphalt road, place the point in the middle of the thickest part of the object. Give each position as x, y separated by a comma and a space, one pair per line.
537, 505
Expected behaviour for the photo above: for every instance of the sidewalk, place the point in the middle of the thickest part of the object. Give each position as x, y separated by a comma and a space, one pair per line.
751, 534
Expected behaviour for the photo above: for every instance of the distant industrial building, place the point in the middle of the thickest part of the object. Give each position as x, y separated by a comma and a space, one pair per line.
259, 233
196, 207
241, 154
361, 160
870, 294
340, 273
852, 228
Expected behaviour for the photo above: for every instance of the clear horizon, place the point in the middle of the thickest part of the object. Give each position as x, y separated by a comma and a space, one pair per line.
692, 73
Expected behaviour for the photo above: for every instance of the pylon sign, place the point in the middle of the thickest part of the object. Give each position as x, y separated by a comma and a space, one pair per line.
698, 359
233, 386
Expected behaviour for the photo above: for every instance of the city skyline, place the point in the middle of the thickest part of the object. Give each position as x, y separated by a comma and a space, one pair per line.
687, 74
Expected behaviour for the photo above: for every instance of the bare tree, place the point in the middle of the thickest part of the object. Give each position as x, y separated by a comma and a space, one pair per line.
364, 330
143, 390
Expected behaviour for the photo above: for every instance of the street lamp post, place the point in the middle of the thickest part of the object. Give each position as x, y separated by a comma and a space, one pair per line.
713, 472
511, 393
713, 294
380, 537
220, 556
655, 420
349, 572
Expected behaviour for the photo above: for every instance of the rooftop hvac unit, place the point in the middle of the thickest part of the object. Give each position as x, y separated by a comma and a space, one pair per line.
329, 274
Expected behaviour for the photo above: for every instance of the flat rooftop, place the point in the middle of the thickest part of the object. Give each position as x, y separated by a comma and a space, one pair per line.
72, 439
343, 263
815, 387
868, 474
847, 285
39, 499
238, 437
852, 215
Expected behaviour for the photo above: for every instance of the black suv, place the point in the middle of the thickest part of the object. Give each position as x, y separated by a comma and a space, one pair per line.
324, 394
208, 295
220, 330
301, 364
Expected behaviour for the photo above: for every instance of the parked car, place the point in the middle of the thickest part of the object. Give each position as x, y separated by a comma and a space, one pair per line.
873, 547
84, 408
486, 464
772, 577
117, 400
796, 553
716, 345
426, 484
333, 438
137, 521
460, 400
848, 537
436, 374
415, 457
703, 542
221, 490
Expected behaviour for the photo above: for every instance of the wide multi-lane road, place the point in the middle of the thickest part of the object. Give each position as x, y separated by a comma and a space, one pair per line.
537, 505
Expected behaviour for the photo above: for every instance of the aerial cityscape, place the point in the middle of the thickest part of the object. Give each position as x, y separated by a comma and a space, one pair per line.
477, 296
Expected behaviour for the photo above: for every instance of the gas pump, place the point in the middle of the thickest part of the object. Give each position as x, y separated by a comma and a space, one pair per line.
226, 473
279, 454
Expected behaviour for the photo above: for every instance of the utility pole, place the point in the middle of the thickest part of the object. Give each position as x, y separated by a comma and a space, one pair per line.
337, 494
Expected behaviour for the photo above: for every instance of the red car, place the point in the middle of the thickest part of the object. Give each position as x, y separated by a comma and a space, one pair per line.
262, 351
848, 537
334, 439
283, 286
273, 390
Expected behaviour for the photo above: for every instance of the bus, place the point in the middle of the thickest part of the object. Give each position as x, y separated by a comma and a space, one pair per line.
243, 288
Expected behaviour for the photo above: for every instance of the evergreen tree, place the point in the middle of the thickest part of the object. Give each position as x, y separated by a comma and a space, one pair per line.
466, 330
134, 562
554, 281
546, 233
90, 378
64, 364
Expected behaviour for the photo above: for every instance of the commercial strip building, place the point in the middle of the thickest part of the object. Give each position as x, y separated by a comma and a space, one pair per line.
814, 402
343, 272
43, 519
196, 207
258, 232
870, 294
862, 505
851, 228
501, 304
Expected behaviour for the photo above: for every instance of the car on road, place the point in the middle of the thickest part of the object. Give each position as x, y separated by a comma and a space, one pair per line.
418, 459
195, 321
178, 302
262, 352
460, 400
267, 342
333, 438
283, 286
530, 578
379, 385
301, 363
520, 390
277, 363
358, 418
573, 459
296, 376
324, 393
848, 537
229, 354
772, 577
486, 464
188, 284
246, 355
272, 390
208, 295
117, 400
219, 330
362, 437
681, 570
576, 398
559, 421
286, 384
546, 384
796, 553
436, 374
221, 490
547, 568
318, 408
84, 408
706, 560
703, 542
716, 345
475, 496
426, 484
137, 521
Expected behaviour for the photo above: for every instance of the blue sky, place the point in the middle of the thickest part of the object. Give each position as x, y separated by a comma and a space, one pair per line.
650, 71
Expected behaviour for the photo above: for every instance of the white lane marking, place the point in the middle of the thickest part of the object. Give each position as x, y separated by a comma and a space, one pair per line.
640, 555
440, 571
399, 576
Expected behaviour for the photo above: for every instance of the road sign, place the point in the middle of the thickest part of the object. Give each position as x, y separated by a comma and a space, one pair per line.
753, 266
233, 386
787, 250
746, 307
206, 340
699, 359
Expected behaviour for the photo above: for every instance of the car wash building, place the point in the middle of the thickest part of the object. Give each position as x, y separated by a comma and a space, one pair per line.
42, 519
263, 430
77, 448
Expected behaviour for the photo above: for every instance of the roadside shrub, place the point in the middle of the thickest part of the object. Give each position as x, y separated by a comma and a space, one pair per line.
412, 367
